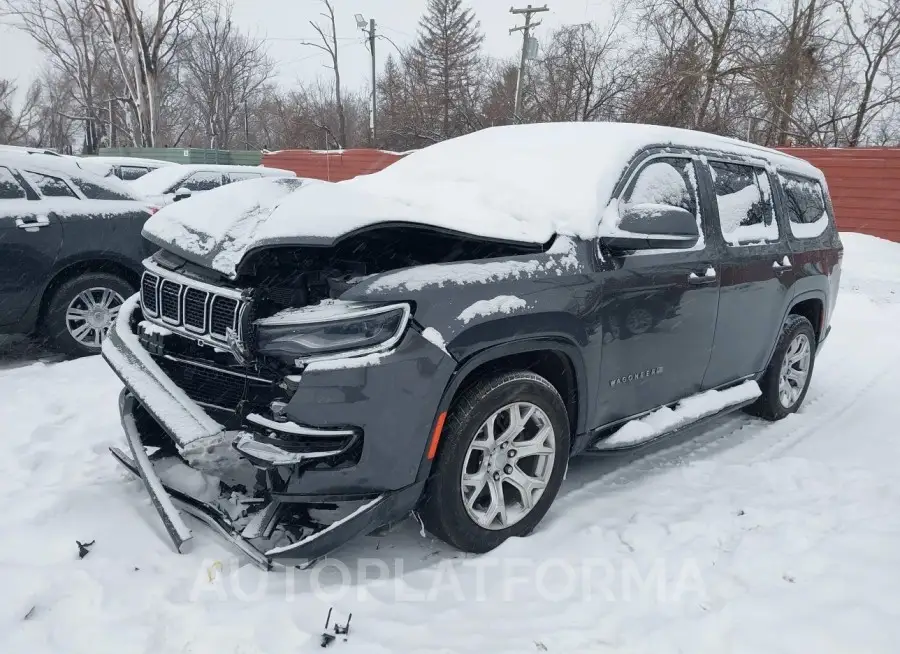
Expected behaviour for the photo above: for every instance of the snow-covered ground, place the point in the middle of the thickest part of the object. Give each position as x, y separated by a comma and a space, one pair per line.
744, 537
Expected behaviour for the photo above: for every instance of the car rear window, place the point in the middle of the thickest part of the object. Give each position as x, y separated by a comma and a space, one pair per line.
130, 173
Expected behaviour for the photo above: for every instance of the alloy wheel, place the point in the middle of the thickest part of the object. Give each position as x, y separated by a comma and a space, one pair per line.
90, 315
508, 465
794, 371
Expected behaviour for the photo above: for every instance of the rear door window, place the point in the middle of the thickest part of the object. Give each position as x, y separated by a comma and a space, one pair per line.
804, 205
744, 200
48, 186
202, 181
10, 189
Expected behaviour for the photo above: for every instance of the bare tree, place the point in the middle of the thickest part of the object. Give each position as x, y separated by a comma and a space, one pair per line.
69, 32
16, 124
329, 45
584, 75
873, 34
714, 26
222, 72
144, 44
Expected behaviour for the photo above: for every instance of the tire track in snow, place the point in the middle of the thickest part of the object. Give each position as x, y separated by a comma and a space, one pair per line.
734, 440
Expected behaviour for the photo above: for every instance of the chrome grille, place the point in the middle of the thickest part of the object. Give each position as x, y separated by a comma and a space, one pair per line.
194, 309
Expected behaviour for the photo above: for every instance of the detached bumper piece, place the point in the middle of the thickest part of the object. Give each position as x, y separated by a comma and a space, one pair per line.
253, 537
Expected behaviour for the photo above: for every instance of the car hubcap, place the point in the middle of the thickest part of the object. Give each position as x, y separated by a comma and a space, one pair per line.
91, 313
794, 371
508, 465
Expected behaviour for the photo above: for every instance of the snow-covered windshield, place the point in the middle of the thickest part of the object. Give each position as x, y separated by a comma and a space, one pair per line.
159, 181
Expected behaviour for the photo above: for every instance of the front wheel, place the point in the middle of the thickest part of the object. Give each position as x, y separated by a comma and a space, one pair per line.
786, 380
81, 311
503, 456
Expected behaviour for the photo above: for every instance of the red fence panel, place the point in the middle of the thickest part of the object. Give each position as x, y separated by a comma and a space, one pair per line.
331, 166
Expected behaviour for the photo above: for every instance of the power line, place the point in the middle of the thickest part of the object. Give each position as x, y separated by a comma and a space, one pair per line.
526, 46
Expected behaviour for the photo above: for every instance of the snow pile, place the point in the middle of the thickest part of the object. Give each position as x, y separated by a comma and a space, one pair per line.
499, 304
688, 410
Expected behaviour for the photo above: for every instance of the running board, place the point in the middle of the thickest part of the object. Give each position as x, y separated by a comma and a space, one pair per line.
688, 412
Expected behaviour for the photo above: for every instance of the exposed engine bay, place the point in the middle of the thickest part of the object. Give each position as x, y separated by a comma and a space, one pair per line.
293, 277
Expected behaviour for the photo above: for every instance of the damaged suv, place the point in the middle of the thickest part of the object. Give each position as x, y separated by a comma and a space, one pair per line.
307, 362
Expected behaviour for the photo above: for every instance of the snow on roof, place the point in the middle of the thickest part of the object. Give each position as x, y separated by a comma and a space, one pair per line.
162, 179
133, 161
64, 165
519, 183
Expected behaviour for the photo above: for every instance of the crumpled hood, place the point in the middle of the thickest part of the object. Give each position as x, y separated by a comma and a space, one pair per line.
216, 229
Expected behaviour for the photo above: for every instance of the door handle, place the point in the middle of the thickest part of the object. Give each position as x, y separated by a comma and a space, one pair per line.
32, 225
708, 276
783, 265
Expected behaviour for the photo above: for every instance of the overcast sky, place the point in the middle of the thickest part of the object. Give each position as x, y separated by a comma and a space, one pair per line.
285, 23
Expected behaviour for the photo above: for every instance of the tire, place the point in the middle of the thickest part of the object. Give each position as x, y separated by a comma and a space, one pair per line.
443, 511
60, 331
773, 404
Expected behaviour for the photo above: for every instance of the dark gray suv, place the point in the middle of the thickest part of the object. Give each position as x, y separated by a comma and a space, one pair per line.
441, 337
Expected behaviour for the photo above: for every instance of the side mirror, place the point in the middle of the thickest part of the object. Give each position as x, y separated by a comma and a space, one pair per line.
182, 193
651, 226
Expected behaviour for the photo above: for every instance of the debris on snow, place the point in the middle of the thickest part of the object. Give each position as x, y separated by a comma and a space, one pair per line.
83, 548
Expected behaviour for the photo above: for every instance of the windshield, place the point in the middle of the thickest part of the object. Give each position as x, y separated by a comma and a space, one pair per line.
159, 181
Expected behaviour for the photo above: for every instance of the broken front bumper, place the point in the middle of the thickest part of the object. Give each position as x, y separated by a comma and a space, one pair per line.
150, 390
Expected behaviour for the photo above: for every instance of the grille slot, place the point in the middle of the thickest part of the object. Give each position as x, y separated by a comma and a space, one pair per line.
223, 315
195, 309
170, 301
210, 386
149, 302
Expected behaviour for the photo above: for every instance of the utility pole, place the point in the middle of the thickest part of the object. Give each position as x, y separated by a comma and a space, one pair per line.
374, 79
526, 34
112, 125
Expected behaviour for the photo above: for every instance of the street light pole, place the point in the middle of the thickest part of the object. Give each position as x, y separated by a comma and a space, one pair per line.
370, 31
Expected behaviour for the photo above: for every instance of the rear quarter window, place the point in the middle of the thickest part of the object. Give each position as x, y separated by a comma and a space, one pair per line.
804, 205
94, 191
10, 189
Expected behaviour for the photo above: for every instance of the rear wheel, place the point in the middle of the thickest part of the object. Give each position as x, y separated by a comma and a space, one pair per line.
786, 380
503, 455
81, 311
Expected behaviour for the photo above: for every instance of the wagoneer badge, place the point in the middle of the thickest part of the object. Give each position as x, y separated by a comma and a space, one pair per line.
627, 379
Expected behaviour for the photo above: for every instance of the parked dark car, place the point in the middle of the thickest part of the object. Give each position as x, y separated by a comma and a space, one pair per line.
441, 336
70, 250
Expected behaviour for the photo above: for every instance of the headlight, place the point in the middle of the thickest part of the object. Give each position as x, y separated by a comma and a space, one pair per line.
358, 331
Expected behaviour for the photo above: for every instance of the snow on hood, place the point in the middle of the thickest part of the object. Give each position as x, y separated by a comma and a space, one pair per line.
216, 228
519, 183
